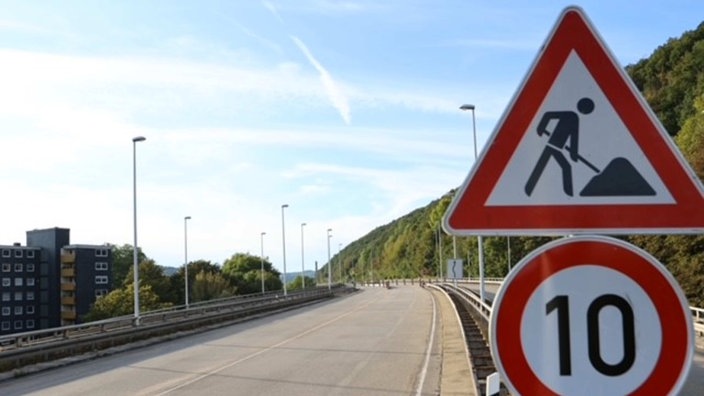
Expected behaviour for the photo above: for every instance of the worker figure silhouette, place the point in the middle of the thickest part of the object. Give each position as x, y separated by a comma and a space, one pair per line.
565, 131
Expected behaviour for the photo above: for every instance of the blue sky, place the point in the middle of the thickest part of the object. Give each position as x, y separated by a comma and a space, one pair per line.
347, 111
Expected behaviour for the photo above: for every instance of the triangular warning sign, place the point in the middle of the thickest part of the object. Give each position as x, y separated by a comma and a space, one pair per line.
578, 150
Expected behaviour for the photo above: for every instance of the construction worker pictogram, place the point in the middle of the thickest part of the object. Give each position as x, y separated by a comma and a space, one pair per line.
566, 130
620, 178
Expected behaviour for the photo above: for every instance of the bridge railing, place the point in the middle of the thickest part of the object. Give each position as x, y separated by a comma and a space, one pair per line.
696, 312
175, 313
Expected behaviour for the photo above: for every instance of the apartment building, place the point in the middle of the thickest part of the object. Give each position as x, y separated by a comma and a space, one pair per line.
85, 275
50, 282
19, 290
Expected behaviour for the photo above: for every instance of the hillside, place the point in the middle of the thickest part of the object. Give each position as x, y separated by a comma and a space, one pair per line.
671, 80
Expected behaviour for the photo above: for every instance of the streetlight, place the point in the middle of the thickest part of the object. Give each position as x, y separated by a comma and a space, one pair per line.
303, 259
329, 269
185, 253
465, 107
134, 211
261, 243
283, 241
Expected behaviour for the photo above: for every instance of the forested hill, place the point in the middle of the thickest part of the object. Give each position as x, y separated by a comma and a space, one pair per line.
671, 80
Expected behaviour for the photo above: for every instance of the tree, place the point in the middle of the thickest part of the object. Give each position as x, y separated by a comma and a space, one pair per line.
123, 262
153, 275
120, 302
209, 286
298, 283
177, 280
244, 273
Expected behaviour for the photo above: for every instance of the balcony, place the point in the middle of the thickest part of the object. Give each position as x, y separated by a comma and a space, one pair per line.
68, 301
68, 272
68, 315
68, 287
68, 257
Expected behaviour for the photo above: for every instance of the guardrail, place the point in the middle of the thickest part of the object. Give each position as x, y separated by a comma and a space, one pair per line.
44, 345
698, 320
697, 313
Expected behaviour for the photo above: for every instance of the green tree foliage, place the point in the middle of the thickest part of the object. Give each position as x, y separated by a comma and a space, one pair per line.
244, 273
209, 285
671, 78
123, 262
153, 275
120, 302
297, 283
691, 138
177, 280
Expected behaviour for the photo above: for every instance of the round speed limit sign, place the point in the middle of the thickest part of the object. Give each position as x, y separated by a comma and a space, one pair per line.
591, 315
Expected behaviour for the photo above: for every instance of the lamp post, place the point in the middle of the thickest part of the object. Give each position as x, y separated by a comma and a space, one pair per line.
283, 241
135, 268
465, 107
303, 259
185, 254
261, 243
329, 265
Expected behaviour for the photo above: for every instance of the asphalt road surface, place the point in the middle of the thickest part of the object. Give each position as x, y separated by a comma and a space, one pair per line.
374, 342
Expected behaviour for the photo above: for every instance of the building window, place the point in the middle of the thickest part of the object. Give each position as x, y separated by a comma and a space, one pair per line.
100, 292
19, 281
18, 296
6, 325
30, 309
7, 282
101, 252
18, 267
6, 267
101, 279
18, 325
6, 296
30, 253
5, 311
18, 310
6, 253
30, 323
30, 267
18, 252
30, 296
101, 266
30, 281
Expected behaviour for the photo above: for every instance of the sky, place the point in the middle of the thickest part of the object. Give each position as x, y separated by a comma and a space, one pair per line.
346, 111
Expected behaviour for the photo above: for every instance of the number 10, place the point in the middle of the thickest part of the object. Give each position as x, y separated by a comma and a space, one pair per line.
561, 304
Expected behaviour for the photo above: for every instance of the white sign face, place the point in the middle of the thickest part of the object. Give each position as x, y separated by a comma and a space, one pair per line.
455, 269
591, 147
572, 295
591, 315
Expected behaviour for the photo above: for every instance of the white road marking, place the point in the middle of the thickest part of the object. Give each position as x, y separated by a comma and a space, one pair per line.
424, 371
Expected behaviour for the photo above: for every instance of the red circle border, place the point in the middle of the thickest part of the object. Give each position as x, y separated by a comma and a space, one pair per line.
510, 302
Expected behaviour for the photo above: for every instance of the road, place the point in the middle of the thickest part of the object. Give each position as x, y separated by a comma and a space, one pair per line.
374, 342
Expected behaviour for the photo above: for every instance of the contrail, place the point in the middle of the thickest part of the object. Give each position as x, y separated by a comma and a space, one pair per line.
339, 101
273, 10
